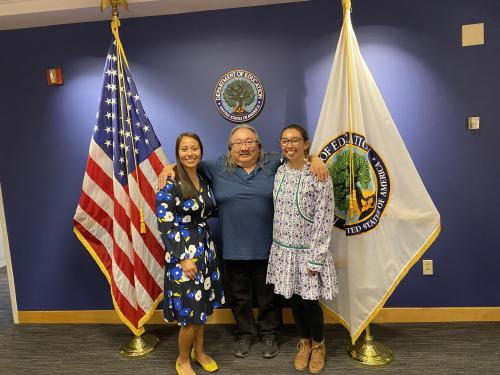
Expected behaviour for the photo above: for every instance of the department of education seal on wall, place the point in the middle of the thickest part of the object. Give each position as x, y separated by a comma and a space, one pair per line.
372, 184
239, 96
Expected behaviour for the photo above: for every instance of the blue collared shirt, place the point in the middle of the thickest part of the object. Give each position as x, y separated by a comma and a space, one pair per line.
245, 203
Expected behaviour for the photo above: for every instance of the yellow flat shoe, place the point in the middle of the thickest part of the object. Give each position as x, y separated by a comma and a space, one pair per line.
178, 368
209, 367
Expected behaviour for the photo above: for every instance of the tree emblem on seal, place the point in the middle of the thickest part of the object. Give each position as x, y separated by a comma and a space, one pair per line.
339, 172
239, 94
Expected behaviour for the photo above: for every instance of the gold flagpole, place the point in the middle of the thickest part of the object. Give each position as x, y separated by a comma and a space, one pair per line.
346, 4
367, 352
145, 344
115, 24
370, 352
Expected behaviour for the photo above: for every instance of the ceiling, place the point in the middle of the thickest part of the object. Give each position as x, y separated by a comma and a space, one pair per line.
18, 14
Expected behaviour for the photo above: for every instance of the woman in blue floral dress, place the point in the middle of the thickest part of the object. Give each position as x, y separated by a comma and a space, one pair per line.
193, 285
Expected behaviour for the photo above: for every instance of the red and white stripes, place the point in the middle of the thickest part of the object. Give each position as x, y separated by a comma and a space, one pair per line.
107, 220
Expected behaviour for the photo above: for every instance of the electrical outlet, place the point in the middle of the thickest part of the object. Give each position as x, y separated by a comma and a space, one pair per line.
427, 267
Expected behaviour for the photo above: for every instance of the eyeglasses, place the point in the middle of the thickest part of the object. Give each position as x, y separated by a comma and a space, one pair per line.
294, 141
248, 143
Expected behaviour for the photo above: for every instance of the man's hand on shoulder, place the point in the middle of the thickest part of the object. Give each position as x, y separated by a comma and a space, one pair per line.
165, 174
318, 168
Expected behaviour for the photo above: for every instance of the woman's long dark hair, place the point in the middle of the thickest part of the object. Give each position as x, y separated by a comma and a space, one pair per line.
187, 188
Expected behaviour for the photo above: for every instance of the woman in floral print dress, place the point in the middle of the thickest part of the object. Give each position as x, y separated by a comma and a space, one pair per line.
193, 287
300, 263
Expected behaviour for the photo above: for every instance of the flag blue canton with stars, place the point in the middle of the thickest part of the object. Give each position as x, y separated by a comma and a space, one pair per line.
122, 127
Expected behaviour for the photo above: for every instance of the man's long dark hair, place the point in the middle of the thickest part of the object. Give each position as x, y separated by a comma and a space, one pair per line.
187, 188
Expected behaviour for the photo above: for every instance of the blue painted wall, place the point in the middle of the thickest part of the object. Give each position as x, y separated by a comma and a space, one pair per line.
430, 83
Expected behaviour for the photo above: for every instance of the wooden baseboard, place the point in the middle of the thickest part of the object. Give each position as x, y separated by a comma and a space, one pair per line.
438, 315
224, 316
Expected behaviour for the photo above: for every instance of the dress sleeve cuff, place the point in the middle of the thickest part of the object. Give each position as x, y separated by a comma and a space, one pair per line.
314, 266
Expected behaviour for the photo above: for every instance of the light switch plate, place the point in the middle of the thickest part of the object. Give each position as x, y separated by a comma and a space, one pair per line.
473, 123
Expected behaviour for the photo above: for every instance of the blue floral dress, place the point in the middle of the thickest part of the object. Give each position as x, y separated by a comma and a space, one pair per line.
185, 233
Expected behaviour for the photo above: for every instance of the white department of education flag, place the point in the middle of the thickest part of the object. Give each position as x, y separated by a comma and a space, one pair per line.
385, 218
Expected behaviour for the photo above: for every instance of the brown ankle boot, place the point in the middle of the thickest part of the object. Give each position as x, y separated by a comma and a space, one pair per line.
317, 361
303, 354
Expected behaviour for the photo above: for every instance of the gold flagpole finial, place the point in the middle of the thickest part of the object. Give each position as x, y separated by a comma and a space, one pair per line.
346, 5
115, 21
114, 6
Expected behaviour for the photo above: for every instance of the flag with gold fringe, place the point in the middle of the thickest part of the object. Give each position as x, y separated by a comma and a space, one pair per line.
385, 219
115, 219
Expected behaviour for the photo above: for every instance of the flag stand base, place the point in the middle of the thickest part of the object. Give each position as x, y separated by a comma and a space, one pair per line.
369, 352
139, 346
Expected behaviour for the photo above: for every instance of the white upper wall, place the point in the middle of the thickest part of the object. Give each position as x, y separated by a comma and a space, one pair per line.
19, 14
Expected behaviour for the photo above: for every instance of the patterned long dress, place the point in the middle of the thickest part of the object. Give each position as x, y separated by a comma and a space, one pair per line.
303, 221
185, 233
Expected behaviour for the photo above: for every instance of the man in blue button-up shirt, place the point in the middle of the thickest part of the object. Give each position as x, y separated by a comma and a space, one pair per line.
243, 182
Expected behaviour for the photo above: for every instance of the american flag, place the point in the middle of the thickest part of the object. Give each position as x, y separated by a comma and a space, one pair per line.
115, 218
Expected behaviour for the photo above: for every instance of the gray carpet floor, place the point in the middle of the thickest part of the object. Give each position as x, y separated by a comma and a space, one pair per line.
465, 348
